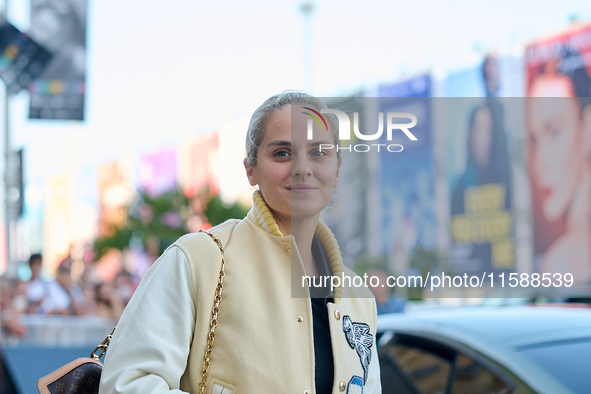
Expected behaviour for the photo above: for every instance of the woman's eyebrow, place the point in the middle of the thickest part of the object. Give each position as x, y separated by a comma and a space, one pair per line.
323, 142
278, 143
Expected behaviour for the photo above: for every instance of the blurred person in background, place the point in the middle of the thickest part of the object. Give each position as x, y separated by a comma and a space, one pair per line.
559, 126
386, 302
267, 340
483, 150
37, 287
63, 297
124, 286
108, 302
9, 315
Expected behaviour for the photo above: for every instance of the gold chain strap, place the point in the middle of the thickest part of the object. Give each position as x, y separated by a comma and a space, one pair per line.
214, 317
102, 347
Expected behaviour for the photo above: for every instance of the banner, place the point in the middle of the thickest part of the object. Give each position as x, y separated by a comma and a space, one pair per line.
558, 71
21, 59
60, 27
478, 168
198, 165
407, 183
158, 172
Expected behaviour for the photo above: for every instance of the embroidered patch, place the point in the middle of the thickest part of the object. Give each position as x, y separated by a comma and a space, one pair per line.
355, 385
359, 338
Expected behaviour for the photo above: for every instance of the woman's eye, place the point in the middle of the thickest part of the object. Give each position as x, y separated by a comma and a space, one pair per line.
318, 153
281, 153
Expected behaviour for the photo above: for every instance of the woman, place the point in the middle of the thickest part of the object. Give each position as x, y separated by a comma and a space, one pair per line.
266, 340
560, 160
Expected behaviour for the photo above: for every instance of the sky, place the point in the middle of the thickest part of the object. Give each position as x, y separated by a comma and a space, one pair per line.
159, 73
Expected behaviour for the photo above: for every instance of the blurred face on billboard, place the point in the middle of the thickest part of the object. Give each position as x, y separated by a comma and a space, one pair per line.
559, 147
50, 28
481, 136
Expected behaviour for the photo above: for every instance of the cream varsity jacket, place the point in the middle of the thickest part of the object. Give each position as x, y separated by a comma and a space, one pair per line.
264, 340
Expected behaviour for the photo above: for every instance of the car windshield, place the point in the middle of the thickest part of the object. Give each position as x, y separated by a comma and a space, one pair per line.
567, 361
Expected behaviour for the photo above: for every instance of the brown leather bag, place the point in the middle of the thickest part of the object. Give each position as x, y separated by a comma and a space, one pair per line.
79, 376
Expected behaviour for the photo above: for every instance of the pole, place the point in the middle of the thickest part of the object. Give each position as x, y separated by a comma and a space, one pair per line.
7, 161
307, 9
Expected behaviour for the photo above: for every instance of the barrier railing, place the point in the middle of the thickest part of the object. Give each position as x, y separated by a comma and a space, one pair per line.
62, 331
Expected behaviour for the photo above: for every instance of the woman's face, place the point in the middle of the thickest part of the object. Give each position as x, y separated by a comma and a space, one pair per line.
557, 145
481, 132
295, 177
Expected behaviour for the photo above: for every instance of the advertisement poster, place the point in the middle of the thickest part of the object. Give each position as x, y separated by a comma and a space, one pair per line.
115, 191
158, 172
21, 59
59, 27
198, 173
478, 170
559, 127
407, 199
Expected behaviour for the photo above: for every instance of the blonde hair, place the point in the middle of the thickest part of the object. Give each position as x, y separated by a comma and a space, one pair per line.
258, 121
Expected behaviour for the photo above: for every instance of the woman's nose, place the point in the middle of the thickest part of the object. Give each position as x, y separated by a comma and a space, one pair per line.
300, 167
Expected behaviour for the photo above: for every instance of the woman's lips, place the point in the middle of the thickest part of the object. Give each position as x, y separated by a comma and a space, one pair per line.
301, 188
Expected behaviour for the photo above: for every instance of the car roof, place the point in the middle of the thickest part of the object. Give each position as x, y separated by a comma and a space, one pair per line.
512, 326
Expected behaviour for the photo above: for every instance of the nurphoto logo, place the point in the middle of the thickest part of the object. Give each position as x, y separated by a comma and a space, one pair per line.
345, 129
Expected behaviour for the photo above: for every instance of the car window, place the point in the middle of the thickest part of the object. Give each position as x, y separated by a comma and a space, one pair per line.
567, 361
471, 377
416, 365
428, 371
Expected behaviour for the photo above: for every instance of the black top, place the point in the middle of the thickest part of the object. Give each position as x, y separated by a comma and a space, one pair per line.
324, 371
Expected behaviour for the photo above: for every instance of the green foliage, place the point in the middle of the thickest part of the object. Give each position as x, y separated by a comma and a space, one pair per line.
424, 260
216, 212
157, 222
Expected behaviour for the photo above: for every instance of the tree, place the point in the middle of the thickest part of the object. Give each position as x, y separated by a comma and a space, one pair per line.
166, 218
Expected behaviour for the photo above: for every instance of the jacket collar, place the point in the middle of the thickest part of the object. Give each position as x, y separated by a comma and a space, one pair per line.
261, 215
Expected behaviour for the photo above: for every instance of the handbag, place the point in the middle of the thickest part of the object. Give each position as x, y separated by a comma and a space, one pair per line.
83, 374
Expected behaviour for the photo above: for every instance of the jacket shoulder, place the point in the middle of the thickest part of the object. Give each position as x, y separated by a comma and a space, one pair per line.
200, 243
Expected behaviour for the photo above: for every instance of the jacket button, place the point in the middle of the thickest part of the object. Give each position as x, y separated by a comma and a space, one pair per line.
300, 319
337, 314
306, 391
342, 386
287, 248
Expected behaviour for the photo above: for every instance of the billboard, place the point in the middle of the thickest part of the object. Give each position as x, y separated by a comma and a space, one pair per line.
559, 133
406, 180
158, 172
198, 165
60, 27
478, 165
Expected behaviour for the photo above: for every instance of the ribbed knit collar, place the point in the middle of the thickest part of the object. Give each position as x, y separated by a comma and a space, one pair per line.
261, 215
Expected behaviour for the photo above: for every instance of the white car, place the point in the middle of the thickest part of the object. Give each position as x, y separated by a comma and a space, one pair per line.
522, 349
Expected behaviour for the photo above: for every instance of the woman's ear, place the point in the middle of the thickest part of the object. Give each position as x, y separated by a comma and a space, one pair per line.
336, 179
250, 174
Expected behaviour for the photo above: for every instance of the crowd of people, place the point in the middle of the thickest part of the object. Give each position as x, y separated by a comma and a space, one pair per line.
61, 295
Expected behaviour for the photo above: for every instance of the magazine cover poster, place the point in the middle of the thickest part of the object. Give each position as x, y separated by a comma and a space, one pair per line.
559, 133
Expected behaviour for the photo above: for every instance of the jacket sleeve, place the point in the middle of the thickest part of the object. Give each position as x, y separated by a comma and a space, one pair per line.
374, 384
150, 347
